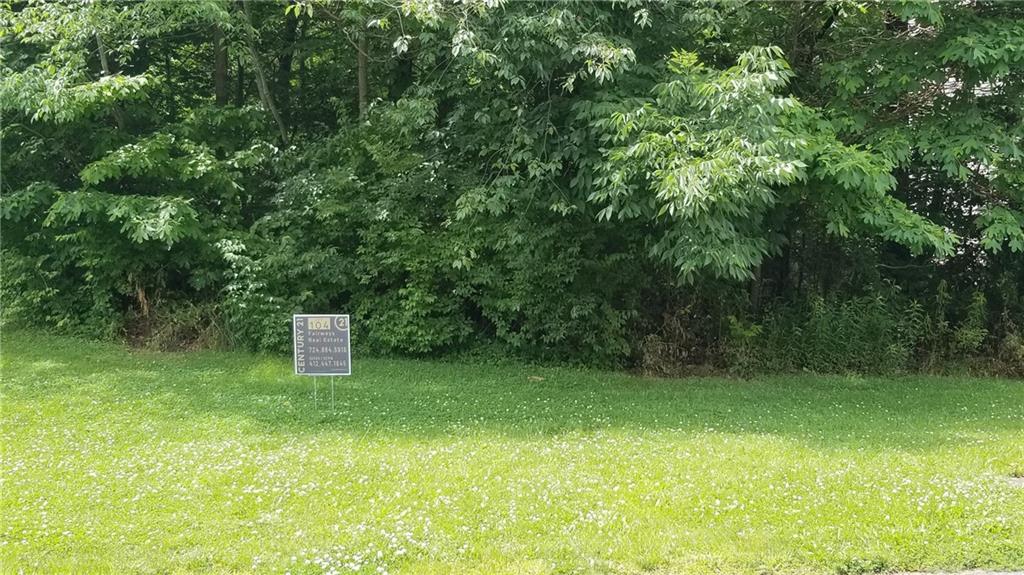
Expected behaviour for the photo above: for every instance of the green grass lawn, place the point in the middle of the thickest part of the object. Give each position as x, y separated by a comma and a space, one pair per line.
126, 461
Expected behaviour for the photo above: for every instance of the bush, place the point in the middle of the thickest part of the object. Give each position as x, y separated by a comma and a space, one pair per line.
867, 335
970, 334
37, 291
365, 224
689, 335
179, 326
256, 319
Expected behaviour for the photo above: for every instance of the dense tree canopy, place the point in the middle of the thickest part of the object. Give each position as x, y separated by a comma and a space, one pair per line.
832, 185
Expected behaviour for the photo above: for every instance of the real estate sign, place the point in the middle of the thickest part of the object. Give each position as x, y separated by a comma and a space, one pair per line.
321, 344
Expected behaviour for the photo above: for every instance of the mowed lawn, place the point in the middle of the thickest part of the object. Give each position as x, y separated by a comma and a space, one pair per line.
133, 462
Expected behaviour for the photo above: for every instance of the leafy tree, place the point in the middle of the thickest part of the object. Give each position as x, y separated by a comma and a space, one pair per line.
564, 180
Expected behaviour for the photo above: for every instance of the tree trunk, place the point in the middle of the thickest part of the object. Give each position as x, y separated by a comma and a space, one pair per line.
220, 66
240, 85
402, 77
261, 77
172, 108
301, 87
755, 291
361, 71
284, 63
105, 66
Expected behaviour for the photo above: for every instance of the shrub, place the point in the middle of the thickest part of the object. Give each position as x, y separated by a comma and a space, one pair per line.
255, 318
971, 332
179, 326
866, 334
36, 290
364, 224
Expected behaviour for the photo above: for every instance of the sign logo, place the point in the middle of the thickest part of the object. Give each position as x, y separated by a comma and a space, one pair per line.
320, 344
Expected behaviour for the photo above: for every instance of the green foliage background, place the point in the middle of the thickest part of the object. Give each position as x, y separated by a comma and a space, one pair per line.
833, 185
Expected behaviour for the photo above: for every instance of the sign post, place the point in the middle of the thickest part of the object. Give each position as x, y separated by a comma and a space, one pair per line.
320, 345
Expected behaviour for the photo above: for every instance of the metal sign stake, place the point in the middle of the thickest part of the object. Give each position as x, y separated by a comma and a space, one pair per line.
332, 393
